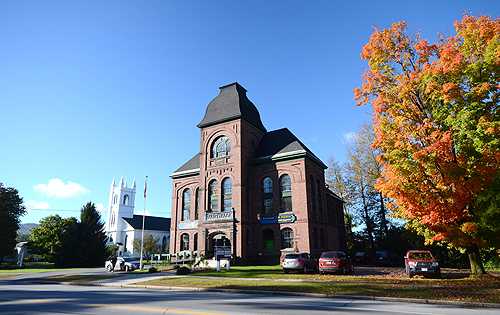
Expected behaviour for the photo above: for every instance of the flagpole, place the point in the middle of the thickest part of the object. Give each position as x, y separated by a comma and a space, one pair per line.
143, 219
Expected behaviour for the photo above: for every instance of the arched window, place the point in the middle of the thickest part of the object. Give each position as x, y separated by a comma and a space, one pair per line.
248, 240
322, 239
125, 244
186, 204
115, 199
286, 193
111, 238
286, 238
329, 212
221, 148
268, 239
125, 200
318, 193
213, 195
311, 197
315, 238
197, 204
247, 195
267, 196
227, 195
164, 244
185, 241
195, 242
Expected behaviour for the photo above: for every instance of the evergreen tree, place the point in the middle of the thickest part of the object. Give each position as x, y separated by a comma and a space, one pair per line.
85, 242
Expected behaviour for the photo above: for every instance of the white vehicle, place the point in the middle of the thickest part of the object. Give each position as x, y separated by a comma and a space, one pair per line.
123, 263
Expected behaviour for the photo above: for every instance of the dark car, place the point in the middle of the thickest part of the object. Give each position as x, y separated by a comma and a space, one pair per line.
362, 258
335, 261
421, 262
385, 258
300, 262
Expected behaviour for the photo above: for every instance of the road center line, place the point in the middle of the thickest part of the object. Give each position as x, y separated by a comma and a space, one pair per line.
116, 306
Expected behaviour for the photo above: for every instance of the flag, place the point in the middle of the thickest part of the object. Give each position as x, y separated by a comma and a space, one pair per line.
145, 186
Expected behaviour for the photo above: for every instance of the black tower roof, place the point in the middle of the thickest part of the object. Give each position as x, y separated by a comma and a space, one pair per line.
231, 103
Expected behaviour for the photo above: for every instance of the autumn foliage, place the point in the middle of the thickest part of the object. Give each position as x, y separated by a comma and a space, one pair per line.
437, 124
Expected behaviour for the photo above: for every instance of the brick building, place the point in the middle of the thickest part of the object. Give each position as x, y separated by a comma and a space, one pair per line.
262, 191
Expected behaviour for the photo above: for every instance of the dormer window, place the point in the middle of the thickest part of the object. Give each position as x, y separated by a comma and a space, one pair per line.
221, 148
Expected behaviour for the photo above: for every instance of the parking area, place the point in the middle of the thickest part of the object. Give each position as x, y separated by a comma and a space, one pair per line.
399, 272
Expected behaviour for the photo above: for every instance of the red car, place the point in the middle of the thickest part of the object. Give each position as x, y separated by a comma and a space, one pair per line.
421, 262
335, 262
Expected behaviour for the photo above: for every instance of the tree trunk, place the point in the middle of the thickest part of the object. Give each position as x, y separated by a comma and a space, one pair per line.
383, 215
476, 265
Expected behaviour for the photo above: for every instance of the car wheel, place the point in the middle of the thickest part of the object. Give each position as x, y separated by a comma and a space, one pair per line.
351, 270
127, 268
343, 270
410, 274
304, 269
286, 271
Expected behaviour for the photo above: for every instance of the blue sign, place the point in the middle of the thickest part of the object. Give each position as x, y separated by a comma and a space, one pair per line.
188, 225
281, 218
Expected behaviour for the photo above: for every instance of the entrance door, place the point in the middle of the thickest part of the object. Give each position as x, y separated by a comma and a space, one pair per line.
219, 239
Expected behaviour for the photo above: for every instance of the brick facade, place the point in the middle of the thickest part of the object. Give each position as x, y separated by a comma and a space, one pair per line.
239, 211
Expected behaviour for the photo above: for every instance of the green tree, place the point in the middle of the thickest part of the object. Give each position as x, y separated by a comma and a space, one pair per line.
151, 245
11, 208
85, 242
335, 178
437, 125
46, 239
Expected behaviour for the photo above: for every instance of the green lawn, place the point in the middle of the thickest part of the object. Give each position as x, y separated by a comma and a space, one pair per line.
471, 289
34, 267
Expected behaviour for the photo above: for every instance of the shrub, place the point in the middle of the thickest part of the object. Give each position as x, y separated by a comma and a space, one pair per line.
151, 270
176, 267
183, 271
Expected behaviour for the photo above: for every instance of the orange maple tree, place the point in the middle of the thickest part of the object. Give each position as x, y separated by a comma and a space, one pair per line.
437, 124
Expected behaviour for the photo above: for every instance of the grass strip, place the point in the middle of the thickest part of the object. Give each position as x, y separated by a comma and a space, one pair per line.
80, 278
448, 293
7, 275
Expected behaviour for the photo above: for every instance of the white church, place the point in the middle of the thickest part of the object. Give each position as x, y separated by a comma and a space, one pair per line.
122, 225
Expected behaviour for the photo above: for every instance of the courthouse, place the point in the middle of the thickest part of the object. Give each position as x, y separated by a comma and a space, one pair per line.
261, 192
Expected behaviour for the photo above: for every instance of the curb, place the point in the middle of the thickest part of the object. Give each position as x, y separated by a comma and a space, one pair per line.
315, 295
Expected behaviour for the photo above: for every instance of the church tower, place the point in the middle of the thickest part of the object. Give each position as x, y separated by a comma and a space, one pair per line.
121, 205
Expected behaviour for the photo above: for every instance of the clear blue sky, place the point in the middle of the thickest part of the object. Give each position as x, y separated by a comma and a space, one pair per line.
93, 90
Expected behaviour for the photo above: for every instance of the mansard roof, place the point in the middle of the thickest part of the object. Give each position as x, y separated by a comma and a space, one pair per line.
231, 103
150, 223
190, 168
281, 145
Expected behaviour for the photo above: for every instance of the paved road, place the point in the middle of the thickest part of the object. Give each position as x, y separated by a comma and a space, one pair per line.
17, 296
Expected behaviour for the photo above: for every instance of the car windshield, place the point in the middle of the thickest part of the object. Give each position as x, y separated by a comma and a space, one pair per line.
128, 259
426, 256
291, 256
330, 255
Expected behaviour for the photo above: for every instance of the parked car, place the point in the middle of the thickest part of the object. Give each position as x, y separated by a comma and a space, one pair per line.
386, 258
362, 258
421, 262
123, 263
335, 261
300, 262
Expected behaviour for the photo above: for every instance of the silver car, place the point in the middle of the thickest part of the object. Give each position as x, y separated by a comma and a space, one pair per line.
300, 262
123, 263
